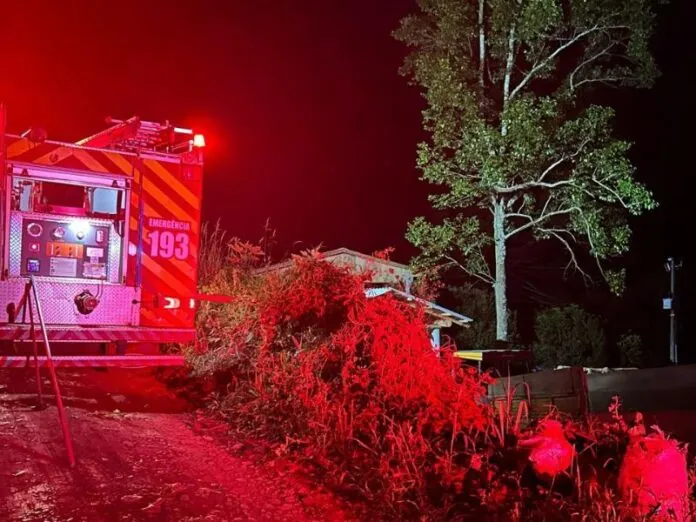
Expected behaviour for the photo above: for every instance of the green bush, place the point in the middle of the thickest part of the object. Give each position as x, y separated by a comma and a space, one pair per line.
569, 336
631, 351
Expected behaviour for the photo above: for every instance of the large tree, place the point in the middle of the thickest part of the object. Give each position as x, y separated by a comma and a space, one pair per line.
515, 147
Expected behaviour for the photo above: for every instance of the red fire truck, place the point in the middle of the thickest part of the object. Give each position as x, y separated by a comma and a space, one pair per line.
104, 233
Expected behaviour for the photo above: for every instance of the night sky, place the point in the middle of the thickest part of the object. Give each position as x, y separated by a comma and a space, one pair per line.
308, 122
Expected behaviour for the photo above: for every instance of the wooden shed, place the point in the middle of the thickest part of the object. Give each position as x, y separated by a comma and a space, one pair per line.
388, 278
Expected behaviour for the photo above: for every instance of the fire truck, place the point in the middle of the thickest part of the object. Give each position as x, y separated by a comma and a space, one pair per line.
99, 241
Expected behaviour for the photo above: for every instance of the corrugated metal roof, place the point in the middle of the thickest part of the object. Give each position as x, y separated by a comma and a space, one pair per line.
434, 309
330, 254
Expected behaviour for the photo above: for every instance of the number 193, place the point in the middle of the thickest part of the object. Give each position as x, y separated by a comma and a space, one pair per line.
166, 244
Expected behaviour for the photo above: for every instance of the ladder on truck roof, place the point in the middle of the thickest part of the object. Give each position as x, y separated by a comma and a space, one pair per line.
135, 134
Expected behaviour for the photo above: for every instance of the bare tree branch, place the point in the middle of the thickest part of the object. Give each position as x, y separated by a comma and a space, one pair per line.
533, 184
550, 168
484, 262
555, 164
532, 221
569, 43
609, 80
593, 251
573, 262
539, 182
480, 276
527, 216
564, 231
603, 52
611, 191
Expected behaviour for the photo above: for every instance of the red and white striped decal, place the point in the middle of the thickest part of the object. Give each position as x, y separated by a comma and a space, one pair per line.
66, 156
97, 361
171, 230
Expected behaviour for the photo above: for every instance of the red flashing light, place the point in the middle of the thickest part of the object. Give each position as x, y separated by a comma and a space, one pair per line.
198, 140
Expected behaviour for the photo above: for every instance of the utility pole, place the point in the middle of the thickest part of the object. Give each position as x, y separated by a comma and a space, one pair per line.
671, 266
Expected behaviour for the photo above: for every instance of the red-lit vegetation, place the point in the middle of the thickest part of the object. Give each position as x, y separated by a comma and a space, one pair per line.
352, 388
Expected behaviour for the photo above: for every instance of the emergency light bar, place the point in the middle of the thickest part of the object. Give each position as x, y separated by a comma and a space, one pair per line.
198, 139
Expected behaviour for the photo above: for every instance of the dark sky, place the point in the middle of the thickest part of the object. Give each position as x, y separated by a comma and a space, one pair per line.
307, 120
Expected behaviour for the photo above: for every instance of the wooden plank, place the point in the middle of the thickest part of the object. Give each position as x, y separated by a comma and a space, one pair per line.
565, 389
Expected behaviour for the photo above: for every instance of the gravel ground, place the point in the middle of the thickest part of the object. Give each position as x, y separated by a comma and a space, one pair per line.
141, 455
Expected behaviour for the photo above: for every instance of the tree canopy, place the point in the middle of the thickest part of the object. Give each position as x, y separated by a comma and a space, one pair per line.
515, 148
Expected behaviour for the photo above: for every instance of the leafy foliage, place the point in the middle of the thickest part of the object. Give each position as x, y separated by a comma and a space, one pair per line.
569, 336
511, 135
631, 350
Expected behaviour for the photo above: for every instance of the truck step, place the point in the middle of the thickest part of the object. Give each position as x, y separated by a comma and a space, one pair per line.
93, 361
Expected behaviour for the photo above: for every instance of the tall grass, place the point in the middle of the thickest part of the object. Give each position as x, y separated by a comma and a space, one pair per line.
352, 387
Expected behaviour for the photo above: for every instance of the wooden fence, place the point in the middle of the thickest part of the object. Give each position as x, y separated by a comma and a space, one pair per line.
571, 391
648, 390
565, 390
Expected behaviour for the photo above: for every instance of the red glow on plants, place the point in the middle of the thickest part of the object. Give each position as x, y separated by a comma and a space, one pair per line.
352, 387
551, 453
355, 379
653, 478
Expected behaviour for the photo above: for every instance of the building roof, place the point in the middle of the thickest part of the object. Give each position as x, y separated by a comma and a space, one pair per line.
440, 313
355, 253
391, 273
330, 254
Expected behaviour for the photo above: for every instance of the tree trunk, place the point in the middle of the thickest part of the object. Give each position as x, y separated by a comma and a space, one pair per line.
482, 43
500, 284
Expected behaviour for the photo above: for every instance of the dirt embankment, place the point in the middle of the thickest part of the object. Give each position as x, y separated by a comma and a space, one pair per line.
141, 455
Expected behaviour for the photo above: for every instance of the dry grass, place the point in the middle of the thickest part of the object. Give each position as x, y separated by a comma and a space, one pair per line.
352, 386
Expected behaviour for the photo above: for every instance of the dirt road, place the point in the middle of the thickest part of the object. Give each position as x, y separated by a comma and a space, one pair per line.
140, 456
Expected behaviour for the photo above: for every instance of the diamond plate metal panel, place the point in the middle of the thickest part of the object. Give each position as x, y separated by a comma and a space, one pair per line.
15, 244
115, 308
114, 256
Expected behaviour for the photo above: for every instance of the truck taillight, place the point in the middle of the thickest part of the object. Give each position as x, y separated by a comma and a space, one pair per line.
192, 303
198, 140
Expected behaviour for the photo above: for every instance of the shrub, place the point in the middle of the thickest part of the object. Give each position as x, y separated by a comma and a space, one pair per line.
654, 480
569, 336
630, 346
353, 384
